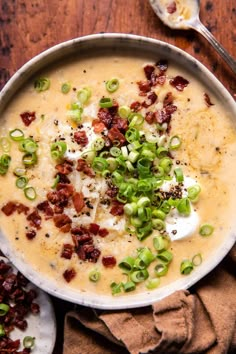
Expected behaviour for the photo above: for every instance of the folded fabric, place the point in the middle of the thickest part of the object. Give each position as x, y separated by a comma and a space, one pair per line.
203, 321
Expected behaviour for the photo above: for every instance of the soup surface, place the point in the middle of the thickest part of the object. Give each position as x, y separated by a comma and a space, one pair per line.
114, 157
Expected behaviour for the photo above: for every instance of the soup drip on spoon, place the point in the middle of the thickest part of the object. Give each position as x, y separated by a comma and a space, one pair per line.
184, 14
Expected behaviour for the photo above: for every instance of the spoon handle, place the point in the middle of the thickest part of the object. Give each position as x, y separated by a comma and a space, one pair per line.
198, 26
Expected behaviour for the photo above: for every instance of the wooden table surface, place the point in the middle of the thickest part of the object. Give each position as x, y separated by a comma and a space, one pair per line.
29, 27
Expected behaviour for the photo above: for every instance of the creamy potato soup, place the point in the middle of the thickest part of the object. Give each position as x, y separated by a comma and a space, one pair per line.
116, 174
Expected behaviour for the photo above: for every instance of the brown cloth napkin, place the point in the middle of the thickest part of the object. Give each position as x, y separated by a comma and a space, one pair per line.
203, 321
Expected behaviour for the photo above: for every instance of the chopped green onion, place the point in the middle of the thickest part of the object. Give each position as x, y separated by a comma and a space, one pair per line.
132, 135
98, 144
112, 164
129, 286
143, 202
161, 269
206, 230
30, 193
146, 256
115, 151
179, 175
2, 330
197, 259
21, 182
28, 145
144, 231
124, 152
139, 264
3, 170
105, 102
19, 171
166, 163
88, 155
165, 207
193, 193
58, 149
165, 257
28, 342
144, 214
99, 164
94, 275
139, 275
161, 243
16, 134
75, 114
161, 152
4, 308
153, 283
135, 222
143, 166
175, 142
184, 206
158, 214
135, 119
5, 144
124, 111
133, 156
112, 85
5, 160
186, 267
42, 84
84, 95
29, 159
127, 264
65, 88
116, 288
130, 209
158, 224
117, 178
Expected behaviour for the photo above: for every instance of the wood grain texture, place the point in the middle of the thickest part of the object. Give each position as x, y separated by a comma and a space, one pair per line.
29, 27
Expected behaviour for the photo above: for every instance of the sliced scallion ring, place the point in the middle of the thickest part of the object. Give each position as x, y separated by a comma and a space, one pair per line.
29, 159
116, 288
161, 269
127, 264
19, 171
5, 144
84, 95
152, 283
124, 111
197, 259
94, 276
193, 192
139, 275
112, 85
41, 84
165, 256
28, 342
186, 267
16, 134
5, 160
129, 286
175, 142
206, 230
65, 87
58, 149
98, 144
4, 308
30, 193
161, 243
179, 175
21, 182
105, 102
2, 330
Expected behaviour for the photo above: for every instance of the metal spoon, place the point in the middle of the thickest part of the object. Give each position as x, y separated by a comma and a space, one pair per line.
184, 14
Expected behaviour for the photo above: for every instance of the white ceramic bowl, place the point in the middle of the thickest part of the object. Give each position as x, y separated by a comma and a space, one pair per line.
117, 43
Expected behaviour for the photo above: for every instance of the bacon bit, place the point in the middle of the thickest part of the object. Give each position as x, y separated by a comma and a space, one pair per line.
67, 251
34, 308
45, 207
168, 99
160, 79
162, 65
94, 255
94, 228
78, 201
151, 99
63, 222
115, 134
208, 100
98, 126
66, 189
30, 234
171, 8
170, 109
65, 168
112, 191
107, 141
120, 123
69, 274
144, 86
28, 117
105, 117
84, 239
117, 208
136, 106
81, 138
79, 230
162, 117
148, 70
109, 261
35, 219
150, 117
63, 178
10, 282
179, 83
103, 232
9, 208
82, 166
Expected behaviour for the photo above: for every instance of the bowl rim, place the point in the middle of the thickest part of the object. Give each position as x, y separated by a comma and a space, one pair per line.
97, 300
